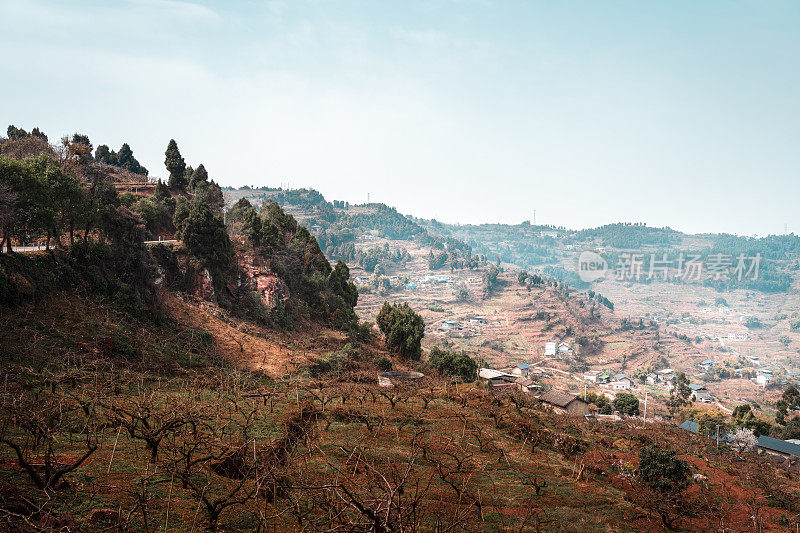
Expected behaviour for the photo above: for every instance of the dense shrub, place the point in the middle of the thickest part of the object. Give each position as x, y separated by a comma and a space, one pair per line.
451, 363
403, 329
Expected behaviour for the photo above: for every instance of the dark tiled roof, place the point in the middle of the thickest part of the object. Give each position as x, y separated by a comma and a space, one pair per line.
559, 398
779, 445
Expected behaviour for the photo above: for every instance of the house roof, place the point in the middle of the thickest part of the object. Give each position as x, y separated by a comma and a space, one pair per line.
695, 386
620, 377
525, 382
523, 366
489, 373
690, 426
779, 445
666, 371
559, 398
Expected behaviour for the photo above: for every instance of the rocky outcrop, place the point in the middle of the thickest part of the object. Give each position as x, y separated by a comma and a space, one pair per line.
262, 280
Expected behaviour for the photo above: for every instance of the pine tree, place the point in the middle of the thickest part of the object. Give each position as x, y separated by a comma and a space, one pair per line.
198, 176
176, 166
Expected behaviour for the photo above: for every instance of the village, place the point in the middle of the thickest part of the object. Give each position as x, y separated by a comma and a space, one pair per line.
607, 385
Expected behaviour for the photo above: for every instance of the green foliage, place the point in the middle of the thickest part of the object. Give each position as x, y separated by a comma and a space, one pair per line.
744, 417
490, 281
450, 363
123, 159
384, 364
662, 470
157, 213
403, 329
204, 235
200, 175
753, 322
627, 403
599, 400
210, 193
176, 167
461, 292
790, 399
336, 362
294, 255
680, 393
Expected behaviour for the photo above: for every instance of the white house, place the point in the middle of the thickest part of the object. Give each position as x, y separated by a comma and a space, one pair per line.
764, 378
564, 348
621, 382
591, 376
549, 349
700, 393
448, 325
666, 375
522, 369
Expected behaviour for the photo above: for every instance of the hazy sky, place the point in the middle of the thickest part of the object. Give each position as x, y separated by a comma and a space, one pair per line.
673, 113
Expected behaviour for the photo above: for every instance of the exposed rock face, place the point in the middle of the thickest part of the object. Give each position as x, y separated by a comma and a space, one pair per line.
252, 275
262, 280
206, 286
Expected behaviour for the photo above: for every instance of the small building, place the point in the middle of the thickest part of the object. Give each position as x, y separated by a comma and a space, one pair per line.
564, 348
478, 321
779, 447
591, 376
738, 336
706, 365
622, 382
563, 402
449, 325
526, 384
764, 378
690, 426
651, 379
603, 378
550, 349
666, 375
521, 369
496, 378
700, 393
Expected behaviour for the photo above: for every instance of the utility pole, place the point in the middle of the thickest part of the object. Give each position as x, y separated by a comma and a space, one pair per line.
717, 435
584, 392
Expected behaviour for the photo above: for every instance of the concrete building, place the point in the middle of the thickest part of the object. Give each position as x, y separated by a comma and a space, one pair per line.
700, 393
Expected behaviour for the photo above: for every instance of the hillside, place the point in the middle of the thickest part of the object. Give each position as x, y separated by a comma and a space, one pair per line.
747, 324
230, 377
203, 441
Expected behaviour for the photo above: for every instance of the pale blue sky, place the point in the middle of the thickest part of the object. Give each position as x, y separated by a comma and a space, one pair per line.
674, 113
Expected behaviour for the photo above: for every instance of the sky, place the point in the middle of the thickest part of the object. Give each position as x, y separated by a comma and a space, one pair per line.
683, 113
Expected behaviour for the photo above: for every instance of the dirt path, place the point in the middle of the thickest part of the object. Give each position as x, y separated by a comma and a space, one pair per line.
237, 347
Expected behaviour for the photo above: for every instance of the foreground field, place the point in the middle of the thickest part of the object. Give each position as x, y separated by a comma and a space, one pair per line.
122, 435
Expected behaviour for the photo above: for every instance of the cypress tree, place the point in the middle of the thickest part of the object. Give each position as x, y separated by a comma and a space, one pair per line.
176, 166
